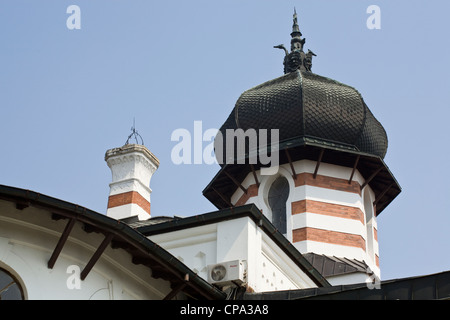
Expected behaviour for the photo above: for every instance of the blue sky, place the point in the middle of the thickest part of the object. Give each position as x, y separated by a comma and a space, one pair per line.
66, 96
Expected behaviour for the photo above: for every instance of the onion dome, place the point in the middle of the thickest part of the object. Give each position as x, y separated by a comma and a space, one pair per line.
307, 106
303, 116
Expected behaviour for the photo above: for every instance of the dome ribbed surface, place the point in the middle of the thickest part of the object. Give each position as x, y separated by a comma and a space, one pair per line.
303, 104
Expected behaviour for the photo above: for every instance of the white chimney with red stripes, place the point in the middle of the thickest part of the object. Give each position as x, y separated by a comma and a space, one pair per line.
132, 167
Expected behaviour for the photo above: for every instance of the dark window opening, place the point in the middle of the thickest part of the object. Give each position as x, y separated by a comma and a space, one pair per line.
9, 287
278, 195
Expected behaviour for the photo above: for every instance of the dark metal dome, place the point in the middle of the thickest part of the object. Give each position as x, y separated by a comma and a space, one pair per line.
304, 105
318, 119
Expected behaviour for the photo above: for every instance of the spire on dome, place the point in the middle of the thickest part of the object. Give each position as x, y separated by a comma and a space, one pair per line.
297, 59
295, 27
296, 42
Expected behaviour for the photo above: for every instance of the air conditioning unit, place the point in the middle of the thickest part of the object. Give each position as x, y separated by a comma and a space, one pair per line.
226, 273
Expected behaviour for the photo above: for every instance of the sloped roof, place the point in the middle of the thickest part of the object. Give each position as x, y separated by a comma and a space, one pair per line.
330, 266
371, 167
427, 287
120, 235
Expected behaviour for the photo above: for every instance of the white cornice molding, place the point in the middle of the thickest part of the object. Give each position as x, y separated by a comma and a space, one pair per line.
132, 153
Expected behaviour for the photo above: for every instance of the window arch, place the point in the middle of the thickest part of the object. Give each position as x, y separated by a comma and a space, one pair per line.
368, 210
10, 288
277, 197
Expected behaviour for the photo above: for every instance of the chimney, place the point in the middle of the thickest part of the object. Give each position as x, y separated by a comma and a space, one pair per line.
131, 166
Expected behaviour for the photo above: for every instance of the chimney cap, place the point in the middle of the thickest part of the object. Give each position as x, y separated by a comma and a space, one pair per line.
129, 148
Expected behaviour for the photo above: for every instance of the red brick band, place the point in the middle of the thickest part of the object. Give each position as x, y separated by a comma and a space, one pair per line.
128, 198
327, 182
329, 209
327, 236
308, 179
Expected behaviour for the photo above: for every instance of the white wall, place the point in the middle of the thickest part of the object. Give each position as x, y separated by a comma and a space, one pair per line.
269, 268
27, 240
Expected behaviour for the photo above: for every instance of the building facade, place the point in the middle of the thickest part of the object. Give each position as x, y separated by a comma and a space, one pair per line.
330, 181
306, 221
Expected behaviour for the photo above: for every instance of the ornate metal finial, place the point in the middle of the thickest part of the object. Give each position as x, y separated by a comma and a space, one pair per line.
297, 59
134, 134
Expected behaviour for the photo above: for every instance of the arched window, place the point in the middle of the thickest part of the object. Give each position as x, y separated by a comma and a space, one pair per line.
368, 208
278, 195
10, 289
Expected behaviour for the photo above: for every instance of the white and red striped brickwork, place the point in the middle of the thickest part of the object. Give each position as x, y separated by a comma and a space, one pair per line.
325, 214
